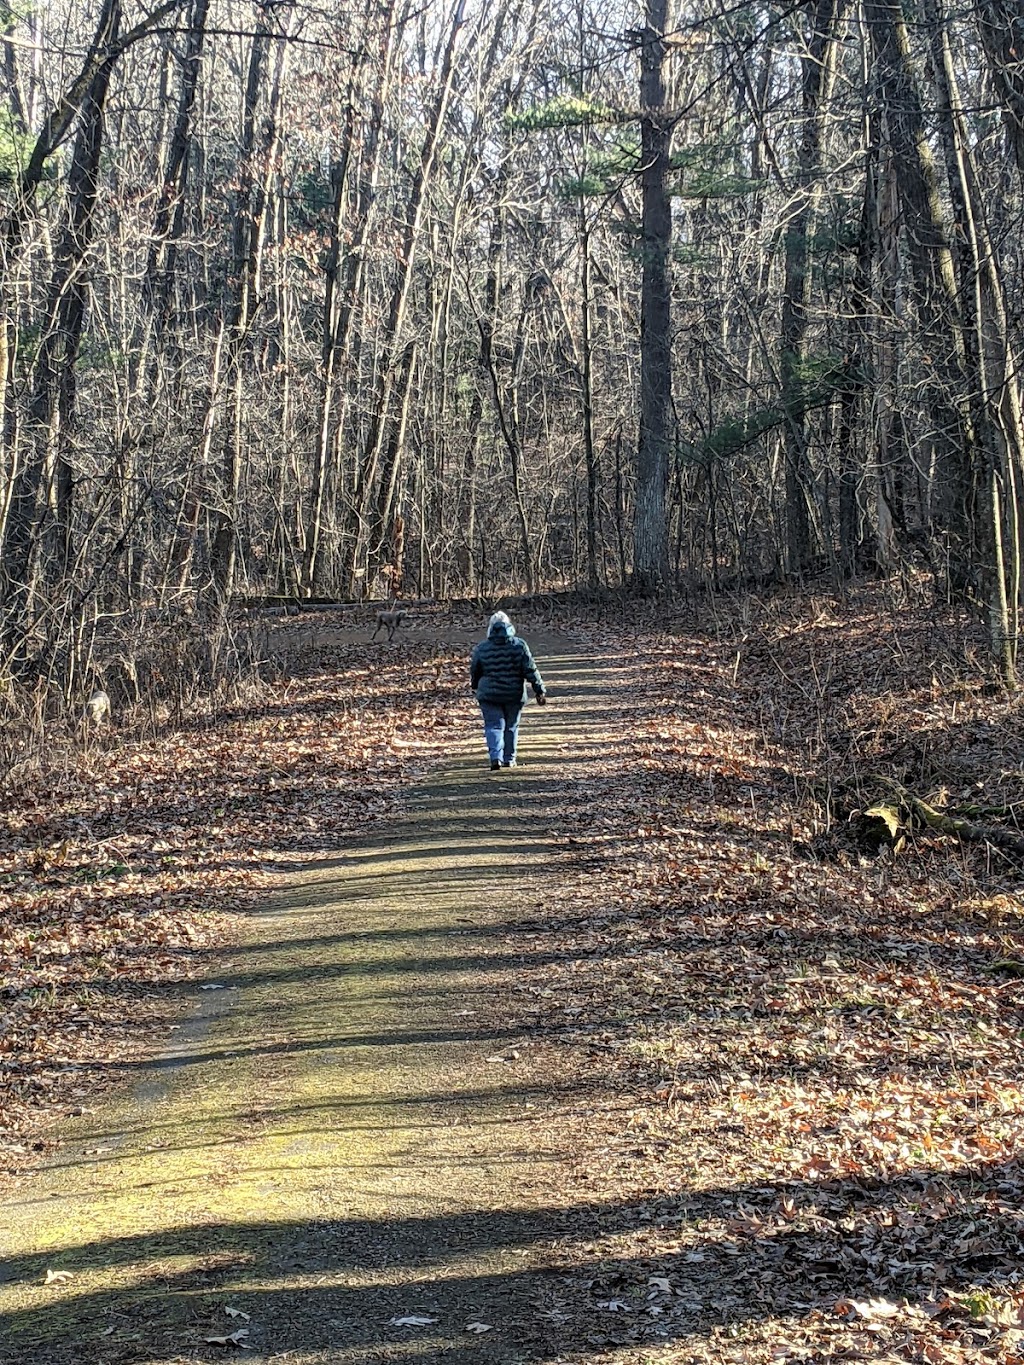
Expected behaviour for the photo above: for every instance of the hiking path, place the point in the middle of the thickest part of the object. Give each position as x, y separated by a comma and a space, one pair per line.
346, 1151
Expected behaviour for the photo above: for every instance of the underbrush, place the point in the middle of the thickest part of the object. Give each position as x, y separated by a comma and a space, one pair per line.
895, 729
157, 672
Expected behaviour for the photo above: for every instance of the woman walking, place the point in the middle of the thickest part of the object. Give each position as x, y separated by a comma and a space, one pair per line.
499, 670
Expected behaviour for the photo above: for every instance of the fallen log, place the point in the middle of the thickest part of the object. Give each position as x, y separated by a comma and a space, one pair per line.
1009, 812
944, 823
1007, 966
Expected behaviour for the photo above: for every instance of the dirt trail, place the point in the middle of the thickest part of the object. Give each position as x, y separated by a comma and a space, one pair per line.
353, 1128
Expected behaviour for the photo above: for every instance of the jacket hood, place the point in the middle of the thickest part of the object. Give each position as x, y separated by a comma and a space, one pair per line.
501, 630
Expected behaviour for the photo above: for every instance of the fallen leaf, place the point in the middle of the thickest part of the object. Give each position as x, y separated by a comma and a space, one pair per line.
877, 1309
236, 1313
235, 1339
888, 815
411, 1320
58, 1276
478, 1327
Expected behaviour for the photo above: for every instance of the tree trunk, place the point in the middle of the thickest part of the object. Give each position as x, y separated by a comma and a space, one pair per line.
587, 377
53, 388
168, 223
854, 538
1002, 34
994, 390
246, 250
650, 533
343, 275
389, 367
818, 72
934, 291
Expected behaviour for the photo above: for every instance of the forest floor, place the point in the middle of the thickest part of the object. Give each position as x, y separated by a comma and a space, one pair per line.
322, 1043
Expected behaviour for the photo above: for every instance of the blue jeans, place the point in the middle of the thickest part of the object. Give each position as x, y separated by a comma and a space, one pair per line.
501, 729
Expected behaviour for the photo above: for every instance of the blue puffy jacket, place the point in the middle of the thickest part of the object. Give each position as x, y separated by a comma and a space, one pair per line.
501, 667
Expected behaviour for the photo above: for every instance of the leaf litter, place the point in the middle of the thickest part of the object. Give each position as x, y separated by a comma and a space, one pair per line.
121, 877
812, 1145
232, 1339
802, 1054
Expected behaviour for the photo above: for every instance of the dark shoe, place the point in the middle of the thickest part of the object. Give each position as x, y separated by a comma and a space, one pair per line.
495, 765
511, 763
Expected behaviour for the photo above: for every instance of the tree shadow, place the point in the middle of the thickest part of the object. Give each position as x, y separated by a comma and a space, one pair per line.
547, 1280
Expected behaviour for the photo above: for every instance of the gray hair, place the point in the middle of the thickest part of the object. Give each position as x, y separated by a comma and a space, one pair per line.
498, 619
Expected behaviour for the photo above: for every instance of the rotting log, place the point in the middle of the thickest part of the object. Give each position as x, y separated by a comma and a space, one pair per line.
944, 822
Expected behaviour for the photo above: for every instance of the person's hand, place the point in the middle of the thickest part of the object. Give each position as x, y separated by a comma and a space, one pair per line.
542, 699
